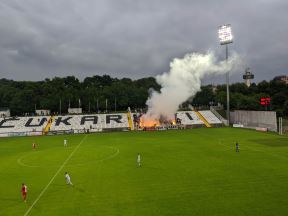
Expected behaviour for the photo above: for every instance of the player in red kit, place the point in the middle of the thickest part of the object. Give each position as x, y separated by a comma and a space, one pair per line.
24, 192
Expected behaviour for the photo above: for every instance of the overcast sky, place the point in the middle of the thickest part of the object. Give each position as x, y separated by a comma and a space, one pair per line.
137, 38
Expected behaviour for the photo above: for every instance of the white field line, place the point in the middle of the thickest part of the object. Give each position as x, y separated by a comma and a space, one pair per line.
59, 170
110, 156
19, 161
114, 154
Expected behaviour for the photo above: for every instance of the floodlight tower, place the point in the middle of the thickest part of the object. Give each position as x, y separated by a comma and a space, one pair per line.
226, 37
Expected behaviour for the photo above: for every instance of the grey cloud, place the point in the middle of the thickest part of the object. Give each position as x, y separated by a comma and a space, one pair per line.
132, 38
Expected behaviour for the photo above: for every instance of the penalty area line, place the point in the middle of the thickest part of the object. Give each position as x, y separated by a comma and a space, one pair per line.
58, 171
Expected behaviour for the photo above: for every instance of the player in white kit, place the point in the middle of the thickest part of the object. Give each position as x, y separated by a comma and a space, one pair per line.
68, 179
65, 143
139, 160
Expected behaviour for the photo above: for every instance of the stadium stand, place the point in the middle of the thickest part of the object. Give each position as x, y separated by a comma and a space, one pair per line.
203, 119
214, 110
96, 122
210, 117
48, 125
189, 118
22, 124
37, 125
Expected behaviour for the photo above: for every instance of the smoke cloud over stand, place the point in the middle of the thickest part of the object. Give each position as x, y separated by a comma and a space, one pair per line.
182, 82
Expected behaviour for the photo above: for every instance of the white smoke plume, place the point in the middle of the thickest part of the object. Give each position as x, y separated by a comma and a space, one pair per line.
182, 82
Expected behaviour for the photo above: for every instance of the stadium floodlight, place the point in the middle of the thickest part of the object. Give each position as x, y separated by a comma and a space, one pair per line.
226, 37
225, 34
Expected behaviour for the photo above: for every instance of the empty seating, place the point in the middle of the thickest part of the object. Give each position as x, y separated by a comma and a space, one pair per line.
92, 122
23, 124
210, 117
189, 118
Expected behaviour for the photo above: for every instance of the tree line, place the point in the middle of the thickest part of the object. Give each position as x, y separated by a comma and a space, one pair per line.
247, 98
93, 93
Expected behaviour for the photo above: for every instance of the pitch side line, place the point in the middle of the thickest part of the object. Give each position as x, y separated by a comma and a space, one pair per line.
60, 168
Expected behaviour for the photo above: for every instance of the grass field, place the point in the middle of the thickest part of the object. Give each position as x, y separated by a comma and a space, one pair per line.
185, 172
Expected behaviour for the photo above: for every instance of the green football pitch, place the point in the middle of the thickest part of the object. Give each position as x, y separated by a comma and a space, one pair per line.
183, 172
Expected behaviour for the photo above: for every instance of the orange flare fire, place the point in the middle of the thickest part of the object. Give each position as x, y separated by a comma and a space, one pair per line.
148, 123
153, 123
